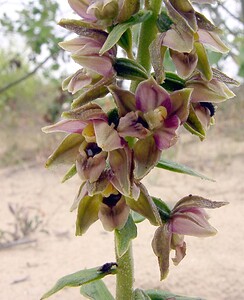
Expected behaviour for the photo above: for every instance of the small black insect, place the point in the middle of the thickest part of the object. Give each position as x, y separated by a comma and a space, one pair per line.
209, 106
107, 267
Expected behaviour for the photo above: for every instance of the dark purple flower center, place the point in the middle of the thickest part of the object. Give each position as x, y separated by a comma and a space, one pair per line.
209, 106
92, 149
112, 200
143, 122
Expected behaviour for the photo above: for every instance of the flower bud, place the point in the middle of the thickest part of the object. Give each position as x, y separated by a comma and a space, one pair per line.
104, 10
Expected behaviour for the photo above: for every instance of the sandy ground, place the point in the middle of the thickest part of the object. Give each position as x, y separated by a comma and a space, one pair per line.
213, 268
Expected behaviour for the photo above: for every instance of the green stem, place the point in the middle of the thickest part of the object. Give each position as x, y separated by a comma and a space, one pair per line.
125, 275
148, 33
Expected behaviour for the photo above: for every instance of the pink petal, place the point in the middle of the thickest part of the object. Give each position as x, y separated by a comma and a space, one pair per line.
166, 136
178, 40
71, 126
80, 8
149, 95
193, 224
129, 126
100, 64
212, 40
90, 168
114, 217
106, 136
120, 164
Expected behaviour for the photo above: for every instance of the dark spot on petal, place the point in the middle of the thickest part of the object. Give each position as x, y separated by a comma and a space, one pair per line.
143, 122
92, 149
112, 200
209, 106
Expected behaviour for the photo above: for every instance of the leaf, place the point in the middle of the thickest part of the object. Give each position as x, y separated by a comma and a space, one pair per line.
139, 294
117, 32
96, 290
179, 168
77, 279
163, 295
124, 236
163, 209
71, 172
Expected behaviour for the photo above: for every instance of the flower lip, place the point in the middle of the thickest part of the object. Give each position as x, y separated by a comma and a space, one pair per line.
92, 149
112, 199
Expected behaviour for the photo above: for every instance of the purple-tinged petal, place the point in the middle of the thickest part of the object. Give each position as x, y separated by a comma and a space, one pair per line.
178, 244
106, 136
166, 136
183, 14
161, 245
114, 216
185, 63
146, 156
76, 82
80, 7
102, 185
209, 91
180, 41
90, 168
180, 101
100, 64
71, 126
130, 126
211, 39
121, 165
125, 100
149, 95
193, 224
74, 44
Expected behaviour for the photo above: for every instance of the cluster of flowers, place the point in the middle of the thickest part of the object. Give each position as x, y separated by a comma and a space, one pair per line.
113, 151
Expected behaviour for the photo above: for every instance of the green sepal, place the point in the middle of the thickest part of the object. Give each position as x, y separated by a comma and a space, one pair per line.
129, 69
203, 64
139, 294
78, 26
173, 82
66, 151
87, 213
179, 168
77, 279
71, 172
96, 290
124, 236
163, 209
91, 94
117, 32
164, 22
164, 295
194, 126
145, 206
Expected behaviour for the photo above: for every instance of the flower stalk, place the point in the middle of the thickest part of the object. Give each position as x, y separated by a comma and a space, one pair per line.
125, 274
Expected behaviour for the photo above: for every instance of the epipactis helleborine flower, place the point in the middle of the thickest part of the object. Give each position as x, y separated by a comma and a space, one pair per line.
188, 217
155, 117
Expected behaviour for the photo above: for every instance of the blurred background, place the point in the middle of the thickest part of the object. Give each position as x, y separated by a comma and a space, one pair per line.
35, 223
